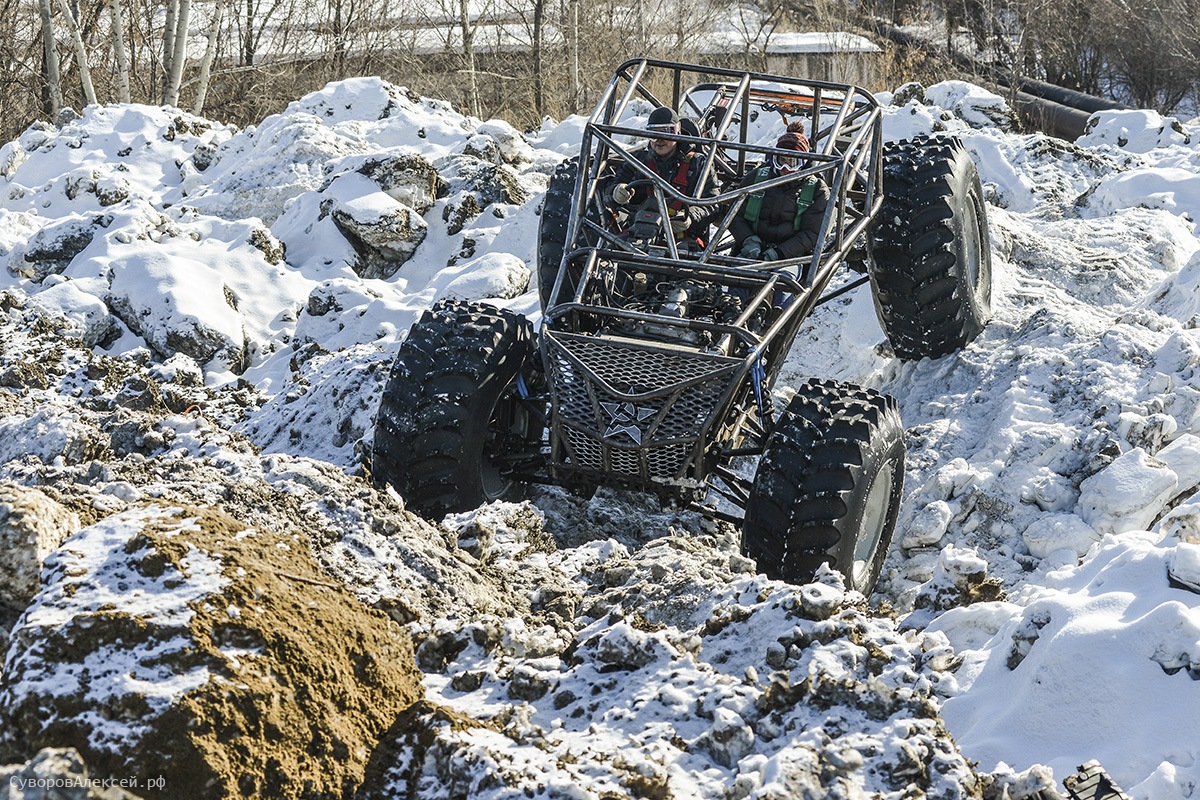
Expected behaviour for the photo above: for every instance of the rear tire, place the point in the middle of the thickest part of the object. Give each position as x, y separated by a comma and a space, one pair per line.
931, 258
828, 486
450, 412
552, 229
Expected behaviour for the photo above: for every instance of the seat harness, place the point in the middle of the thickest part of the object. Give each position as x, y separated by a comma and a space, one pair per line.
804, 199
680, 180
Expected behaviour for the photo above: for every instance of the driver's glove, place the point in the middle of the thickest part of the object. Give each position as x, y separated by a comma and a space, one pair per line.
770, 254
679, 224
622, 194
751, 248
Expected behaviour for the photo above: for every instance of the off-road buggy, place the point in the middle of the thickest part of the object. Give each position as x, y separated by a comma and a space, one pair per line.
655, 360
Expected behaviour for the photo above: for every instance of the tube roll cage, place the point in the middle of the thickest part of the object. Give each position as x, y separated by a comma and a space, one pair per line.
845, 137
844, 124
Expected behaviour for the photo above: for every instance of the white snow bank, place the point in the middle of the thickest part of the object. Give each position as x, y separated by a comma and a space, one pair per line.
1168, 188
1135, 130
1101, 662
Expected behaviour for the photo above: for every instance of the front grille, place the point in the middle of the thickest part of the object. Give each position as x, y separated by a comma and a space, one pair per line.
630, 410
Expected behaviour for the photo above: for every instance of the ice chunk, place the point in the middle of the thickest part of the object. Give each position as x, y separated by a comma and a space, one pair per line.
1128, 494
1060, 532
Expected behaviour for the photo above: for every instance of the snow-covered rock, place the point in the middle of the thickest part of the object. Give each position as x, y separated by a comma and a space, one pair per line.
89, 318
406, 178
1184, 566
187, 311
255, 172
510, 144
1170, 189
52, 248
493, 275
109, 154
977, 107
32, 525
475, 185
1127, 494
1135, 130
383, 232
1056, 533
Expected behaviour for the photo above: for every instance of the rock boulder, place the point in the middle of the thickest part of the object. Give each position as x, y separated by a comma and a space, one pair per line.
32, 526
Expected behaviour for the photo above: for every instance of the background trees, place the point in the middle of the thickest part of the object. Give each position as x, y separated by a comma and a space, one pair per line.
238, 60
1143, 53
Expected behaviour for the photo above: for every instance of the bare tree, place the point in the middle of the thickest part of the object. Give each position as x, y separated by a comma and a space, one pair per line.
252, 22
467, 29
81, 56
539, 57
168, 45
51, 77
755, 24
175, 55
575, 98
1152, 73
120, 56
210, 54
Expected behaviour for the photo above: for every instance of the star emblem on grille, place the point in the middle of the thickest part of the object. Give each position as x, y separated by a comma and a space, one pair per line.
626, 418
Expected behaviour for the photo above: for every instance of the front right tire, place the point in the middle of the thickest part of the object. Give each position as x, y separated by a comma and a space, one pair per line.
828, 486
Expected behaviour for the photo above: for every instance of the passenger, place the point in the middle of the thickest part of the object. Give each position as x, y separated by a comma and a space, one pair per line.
679, 166
782, 221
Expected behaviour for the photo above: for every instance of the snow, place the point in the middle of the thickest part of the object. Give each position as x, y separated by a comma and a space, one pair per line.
1136, 131
1117, 620
1169, 188
1053, 460
725, 41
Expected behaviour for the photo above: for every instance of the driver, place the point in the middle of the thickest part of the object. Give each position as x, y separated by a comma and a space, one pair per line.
678, 165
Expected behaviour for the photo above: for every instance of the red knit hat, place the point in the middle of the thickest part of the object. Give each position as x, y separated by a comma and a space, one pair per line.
793, 140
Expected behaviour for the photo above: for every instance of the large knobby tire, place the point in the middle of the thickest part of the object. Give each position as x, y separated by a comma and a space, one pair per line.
450, 410
931, 257
828, 486
552, 228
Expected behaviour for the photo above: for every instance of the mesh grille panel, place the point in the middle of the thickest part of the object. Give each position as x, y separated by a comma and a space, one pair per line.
621, 366
585, 450
668, 459
625, 462
611, 417
574, 402
664, 461
690, 409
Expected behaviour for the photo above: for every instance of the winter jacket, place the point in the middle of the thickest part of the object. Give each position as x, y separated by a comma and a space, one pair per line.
776, 223
679, 170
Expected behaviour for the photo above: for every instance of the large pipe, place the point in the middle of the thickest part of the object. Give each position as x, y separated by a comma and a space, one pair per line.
1050, 117
1059, 94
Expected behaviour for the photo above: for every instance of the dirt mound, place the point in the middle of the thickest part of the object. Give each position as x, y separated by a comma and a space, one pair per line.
182, 643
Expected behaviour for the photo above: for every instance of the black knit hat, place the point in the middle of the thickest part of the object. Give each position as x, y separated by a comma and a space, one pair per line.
663, 116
